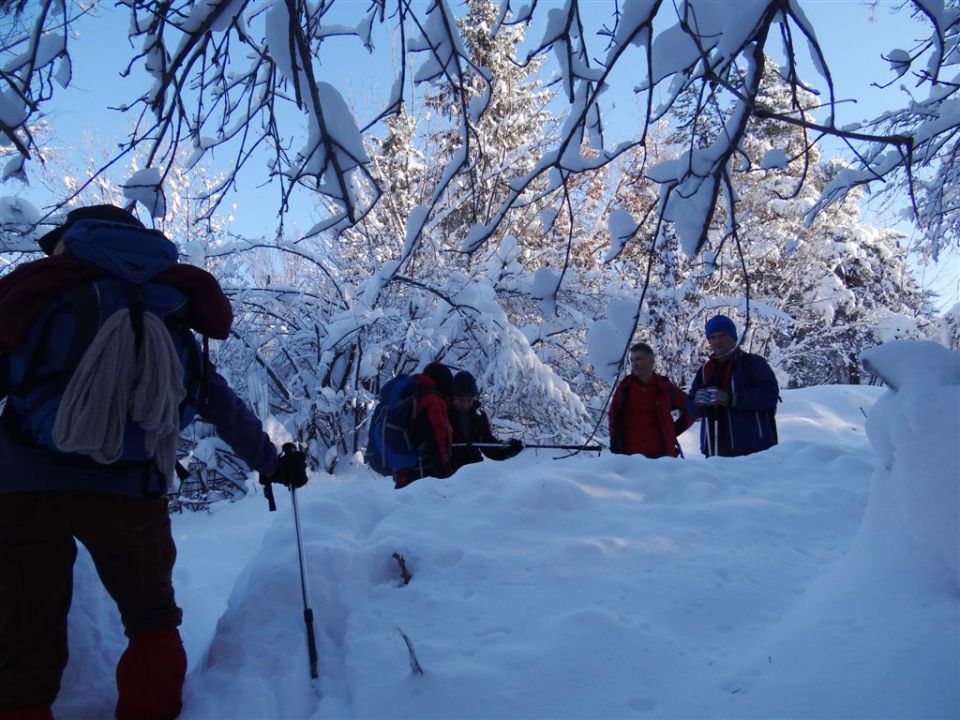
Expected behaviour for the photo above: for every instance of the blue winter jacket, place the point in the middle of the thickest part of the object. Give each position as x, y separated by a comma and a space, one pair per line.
28, 467
748, 424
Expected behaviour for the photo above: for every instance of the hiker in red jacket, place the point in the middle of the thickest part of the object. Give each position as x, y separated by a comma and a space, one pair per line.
431, 434
51, 497
641, 420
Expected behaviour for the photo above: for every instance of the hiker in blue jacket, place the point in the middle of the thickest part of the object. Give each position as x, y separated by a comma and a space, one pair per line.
50, 498
735, 393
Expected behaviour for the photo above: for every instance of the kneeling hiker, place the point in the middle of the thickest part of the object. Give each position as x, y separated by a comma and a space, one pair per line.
101, 371
431, 435
410, 432
471, 425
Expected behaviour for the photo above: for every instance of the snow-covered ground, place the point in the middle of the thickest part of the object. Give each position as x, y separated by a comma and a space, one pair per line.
817, 580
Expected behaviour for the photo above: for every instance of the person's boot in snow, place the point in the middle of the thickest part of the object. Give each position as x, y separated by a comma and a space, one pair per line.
150, 676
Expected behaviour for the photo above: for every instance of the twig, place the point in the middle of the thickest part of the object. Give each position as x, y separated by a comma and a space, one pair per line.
415, 667
404, 573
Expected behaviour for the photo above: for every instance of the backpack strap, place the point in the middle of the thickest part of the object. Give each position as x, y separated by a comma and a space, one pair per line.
85, 300
205, 372
135, 302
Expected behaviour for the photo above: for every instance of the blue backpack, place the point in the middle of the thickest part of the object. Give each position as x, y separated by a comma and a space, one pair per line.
389, 444
40, 370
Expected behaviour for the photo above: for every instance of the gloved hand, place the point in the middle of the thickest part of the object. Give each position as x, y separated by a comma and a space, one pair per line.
291, 468
721, 397
514, 446
702, 397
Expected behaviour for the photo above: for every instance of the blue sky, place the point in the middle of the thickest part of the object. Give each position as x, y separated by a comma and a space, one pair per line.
853, 34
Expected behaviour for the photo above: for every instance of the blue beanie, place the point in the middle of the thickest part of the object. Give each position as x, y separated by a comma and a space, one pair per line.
721, 323
465, 385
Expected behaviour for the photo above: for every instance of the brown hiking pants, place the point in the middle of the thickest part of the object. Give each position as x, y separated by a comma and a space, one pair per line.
131, 545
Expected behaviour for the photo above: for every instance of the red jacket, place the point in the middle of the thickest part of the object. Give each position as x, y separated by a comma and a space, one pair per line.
640, 419
432, 436
26, 291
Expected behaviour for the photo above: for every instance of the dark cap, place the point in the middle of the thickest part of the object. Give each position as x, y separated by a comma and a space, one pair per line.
465, 385
441, 376
111, 213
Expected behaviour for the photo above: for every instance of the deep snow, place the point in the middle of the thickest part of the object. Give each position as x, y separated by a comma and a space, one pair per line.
817, 580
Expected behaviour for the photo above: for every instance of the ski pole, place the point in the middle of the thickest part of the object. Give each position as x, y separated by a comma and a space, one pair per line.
307, 610
706, 421
589, 448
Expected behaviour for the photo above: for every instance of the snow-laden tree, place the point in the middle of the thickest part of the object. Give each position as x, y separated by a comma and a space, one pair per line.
471, 249
948, 327
321, 322
504, 141
824, 287
241, 77
810, 295
354, 309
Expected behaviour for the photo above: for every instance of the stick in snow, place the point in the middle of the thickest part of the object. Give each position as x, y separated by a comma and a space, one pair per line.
404, 573
414, 663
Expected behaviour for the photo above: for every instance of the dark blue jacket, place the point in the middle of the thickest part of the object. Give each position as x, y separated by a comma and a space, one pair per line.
28, 467
748, 424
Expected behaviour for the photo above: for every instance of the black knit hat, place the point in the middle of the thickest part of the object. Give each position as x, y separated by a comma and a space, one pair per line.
111, 213
465, 385
441, 376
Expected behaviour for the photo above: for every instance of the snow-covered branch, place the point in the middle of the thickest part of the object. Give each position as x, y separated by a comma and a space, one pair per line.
245, 78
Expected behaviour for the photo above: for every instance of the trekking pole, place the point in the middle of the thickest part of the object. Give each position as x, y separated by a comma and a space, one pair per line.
588, 448
307, 610
706, 420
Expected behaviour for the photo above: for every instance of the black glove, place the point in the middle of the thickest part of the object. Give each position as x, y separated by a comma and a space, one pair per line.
514, 447
291, 468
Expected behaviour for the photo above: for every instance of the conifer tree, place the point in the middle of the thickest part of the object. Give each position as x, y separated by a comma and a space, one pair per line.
819, 292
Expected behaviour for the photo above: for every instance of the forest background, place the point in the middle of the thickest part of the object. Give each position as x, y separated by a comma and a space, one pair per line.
478, 220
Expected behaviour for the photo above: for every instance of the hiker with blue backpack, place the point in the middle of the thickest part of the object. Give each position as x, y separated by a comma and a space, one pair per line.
101, 371
471, 426
410, 436
735, 394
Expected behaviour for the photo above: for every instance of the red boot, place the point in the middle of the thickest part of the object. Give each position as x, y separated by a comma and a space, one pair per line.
150, 676
31, 713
